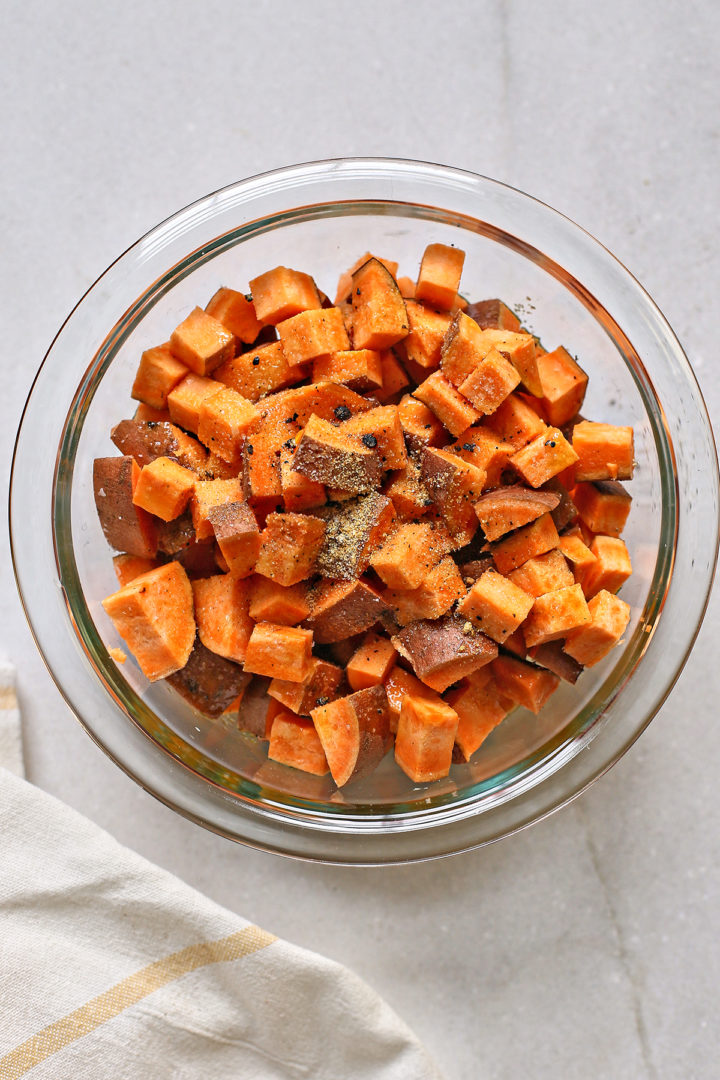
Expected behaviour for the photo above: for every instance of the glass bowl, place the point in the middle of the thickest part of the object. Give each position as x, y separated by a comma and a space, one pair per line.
319, 217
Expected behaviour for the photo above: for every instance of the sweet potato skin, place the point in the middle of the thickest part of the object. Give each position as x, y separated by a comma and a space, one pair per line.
354, 733
126, 527
208, 682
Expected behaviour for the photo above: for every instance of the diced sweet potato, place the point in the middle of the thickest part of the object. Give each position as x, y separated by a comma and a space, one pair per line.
345, 281
208, 495
146, 413
208, 682
441, 651
371, 662
482, 448
360, 369
262, 471
223, 421
221, 610
271, 602
463, 349
605, 451
577, 552
472, 569
452, 409
515, 422
439, 277
173, 537
341, 609
286, 413
282, 652
148, 440
609, 616
379, 316
427, 331
380, 429
420, 426
521, 351
353, 531
393, 374
555, 615
331, 455
454, 485
236, 531
543, 573
544, 457
153, 614
128, 567
354, 732
496, 606
493, 314
126, 527
604, 506
294, 741
523, 544
565, 512
434, 597
406, 285
185, 400
487, 385
298, 492
523, 683
318, 689
312, 334
510, 507
159, 373
612, 566
281, 293
563, 384
398, 684
425, 739
164, 488
409, 553
236, 313
258, 372
289, 546
553, 657
409, 495
480, 707
202, 342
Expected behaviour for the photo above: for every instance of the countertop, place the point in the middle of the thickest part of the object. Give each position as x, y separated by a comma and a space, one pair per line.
586, 946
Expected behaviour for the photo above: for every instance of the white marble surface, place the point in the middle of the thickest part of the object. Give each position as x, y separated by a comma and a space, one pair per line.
587, 946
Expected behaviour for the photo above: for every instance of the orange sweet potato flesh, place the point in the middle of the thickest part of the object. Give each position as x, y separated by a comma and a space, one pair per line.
425, 739
381, 429
221, 610
496, 606
508, 508
371, 662
379, 317
480, 707
294, 741
605, 451
164, 488
522, 544
354, 530
555, 615
154, 616
604, 506
453, 410
439, 277
331, 455
236, 313
159, 373
126, 527
609, 616
523, 683
289, 546
319, 688
409, 553
354, 732
543, 458
436, 594
201, 342
272, 602
148, 440
280, 293
282, 652
128, 567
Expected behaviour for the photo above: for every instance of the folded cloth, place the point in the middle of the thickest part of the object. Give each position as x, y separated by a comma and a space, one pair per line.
113, 968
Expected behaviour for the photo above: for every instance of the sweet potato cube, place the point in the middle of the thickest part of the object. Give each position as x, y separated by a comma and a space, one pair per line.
282, 652
354, 732
159, 373
463, 349
480, 707
609, 616
482, 448
371, 662
185, 400
555, 614
427, 331
360, 369
313, 333
258, 372
353, 531
379, 317
164, 488
298, 492
441, 651
523, 544
515, 422
544, 457
605, 451
493, 314
236, 531
454, 485
398, 684
439, 277
425, 739
271, 602
202, 342
320, 687
221, 610
523, 683
521, 350
393, 375
289, 546
236, 313
487, 385
126, 527
441, 587
380, 429
576, 551
128, 567
209, 683
223, 421
409, 553
345, 280
420, 426
341, 609
294, 741
496, 606
604, 506
612, 566
409, 495
208, 495
406, 285
543, 573
510, 507
552, 657
563, 384
452, 409
261, 470
331, 455
153, 614
151, 439
146, 413
281, 293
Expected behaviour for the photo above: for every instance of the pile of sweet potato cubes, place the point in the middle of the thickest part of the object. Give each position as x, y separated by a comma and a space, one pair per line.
385, 512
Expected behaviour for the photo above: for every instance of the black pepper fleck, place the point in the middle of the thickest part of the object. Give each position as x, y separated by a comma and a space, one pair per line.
256, 361
342, 412
250, 449
370, 441
469, 446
